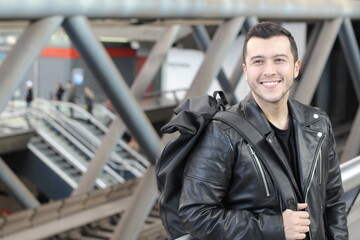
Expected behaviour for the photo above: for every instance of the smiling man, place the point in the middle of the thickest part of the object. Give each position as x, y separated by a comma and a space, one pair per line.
228, 193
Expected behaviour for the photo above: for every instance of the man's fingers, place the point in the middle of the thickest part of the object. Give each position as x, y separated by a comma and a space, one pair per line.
300, 236
304, 229
304, 215
305, 222
301, 206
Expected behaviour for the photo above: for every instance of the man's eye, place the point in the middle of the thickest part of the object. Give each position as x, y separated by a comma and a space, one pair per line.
279, 60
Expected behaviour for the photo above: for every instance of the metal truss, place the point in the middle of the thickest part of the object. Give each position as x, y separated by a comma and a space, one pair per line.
73, 16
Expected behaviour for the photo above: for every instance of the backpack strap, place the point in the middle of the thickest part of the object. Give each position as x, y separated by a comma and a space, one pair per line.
258, 142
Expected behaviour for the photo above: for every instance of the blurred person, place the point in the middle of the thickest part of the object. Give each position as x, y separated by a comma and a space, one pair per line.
59, 92
89, 98
29, 93
70, 95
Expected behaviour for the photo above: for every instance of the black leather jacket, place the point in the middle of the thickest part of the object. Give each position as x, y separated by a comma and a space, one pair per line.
228, 194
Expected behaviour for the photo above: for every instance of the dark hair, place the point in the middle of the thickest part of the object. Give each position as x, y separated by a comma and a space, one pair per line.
267, 30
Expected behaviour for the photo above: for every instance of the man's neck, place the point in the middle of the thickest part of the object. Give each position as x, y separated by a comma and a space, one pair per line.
276, 113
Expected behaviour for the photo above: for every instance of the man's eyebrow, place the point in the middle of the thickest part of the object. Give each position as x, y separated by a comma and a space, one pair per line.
255, 57
282, 55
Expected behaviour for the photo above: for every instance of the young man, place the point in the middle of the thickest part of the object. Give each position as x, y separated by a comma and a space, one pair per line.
228, 193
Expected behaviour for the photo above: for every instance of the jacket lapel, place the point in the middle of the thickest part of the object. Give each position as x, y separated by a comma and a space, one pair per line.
276, 147
307, 139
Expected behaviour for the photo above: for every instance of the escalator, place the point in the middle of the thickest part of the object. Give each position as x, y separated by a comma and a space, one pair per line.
64, 156
90, 131
60, 149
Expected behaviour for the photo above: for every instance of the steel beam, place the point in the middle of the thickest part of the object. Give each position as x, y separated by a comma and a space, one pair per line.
312, 74
113, 84
95, 166
23, 54
351, 52
352, 146
16, 188
219, 47
145, 193
310, 45
72, 221
199, 9
154, 61
236, 74
203, 40
142, 201
142, 81
123, 101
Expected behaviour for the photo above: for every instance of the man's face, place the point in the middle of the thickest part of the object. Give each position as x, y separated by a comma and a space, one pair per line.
270, 69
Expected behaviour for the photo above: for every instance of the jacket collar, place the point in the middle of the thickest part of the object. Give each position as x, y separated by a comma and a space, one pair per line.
300, 113
252, 112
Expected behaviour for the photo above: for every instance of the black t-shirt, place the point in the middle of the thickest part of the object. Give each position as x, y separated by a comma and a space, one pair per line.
286, 139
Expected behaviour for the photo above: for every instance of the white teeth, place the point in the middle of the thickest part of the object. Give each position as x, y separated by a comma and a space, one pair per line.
269, 83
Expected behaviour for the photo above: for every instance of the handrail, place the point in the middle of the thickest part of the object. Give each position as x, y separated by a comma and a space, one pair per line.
46, 108
105, 111
350, 173
131, 165
95, 141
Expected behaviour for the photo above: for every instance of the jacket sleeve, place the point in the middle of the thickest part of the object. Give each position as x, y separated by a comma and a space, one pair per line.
335, 208
206, 179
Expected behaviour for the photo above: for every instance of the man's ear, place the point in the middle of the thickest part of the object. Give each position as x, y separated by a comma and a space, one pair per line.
244, 67
297, 68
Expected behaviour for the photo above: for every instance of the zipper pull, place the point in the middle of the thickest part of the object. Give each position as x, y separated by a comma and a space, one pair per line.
251, 149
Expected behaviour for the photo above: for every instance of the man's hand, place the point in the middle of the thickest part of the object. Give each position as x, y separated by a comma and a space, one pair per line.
296, 223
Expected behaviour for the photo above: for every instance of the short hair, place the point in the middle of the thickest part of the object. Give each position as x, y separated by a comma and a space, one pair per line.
267, 30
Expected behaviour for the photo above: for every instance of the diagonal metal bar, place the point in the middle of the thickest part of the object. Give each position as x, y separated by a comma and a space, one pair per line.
23, 54
224, 36
351, 52
95, 56
154, 61
143, 200
352, 55
113, 84
310, 45
311, 76
203, 39
13, 184
117, 127
352, 145
235, 76
116, 89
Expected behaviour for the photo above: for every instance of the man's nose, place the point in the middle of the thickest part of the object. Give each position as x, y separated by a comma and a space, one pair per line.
269, 69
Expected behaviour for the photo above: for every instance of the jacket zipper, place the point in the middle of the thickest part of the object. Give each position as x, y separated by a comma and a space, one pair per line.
318, 158
320, 168
261, 170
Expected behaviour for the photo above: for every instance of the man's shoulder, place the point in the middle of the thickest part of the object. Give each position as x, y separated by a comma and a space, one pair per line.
306, 107
307, 113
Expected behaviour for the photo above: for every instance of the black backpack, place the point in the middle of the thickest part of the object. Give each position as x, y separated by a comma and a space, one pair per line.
192, 118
